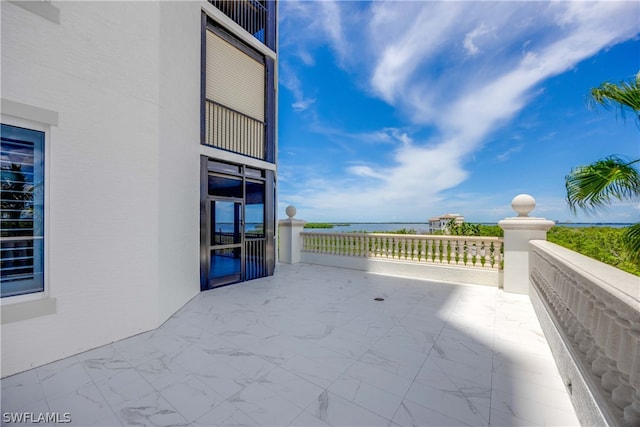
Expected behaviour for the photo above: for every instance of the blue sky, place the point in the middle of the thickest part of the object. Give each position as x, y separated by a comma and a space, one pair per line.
404, 110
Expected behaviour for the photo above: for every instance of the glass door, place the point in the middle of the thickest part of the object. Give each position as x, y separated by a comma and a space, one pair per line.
237, 223
226, 236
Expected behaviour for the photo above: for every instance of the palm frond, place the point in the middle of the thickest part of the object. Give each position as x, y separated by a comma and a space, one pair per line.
593, 187
623, 95
631, 241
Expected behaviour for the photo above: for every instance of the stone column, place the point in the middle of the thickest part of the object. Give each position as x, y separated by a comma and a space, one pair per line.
517, 233
289, 240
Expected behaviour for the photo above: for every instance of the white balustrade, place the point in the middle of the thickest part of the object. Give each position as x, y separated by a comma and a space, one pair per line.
599, 314
465, 251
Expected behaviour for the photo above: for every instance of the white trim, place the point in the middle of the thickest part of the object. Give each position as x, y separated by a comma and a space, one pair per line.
41, 8
227, 156
29, 112
33, 300
25, 310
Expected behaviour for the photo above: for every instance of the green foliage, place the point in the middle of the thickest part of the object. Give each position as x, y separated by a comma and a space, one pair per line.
604, 244
490, 230
471, 229
404, 231
462, 229
631, 241
17, 201
318, 225
624, 95
401, 231
595, 186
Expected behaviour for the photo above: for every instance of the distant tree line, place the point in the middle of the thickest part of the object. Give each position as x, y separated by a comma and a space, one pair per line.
605, 244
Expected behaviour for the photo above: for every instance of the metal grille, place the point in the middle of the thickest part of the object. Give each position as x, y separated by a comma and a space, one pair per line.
249, 14
233, 131
255, 259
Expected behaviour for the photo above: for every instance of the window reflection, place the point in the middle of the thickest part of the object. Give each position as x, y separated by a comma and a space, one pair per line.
225, 186
254, 209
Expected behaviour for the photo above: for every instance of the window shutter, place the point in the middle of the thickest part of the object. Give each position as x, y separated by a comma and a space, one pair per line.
234, 79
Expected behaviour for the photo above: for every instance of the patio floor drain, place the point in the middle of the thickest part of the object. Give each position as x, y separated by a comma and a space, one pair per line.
378, 299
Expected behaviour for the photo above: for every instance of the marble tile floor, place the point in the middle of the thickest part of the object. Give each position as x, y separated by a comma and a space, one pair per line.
310, 346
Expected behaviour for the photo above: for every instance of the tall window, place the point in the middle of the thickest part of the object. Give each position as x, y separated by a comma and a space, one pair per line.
22, 211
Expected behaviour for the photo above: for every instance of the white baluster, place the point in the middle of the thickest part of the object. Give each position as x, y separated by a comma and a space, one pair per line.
415, 252
622, 394
395, 249
376, 246
598, 317
455, 251
582, 304
631, 413
498, 256
599, 364
474, 253
611, 378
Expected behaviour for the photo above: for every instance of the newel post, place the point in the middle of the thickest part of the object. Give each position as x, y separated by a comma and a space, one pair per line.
517, 233
290, 241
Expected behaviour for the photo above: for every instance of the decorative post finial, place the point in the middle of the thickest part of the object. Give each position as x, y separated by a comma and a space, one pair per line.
290, 239
523, 204
518, 231
290, 211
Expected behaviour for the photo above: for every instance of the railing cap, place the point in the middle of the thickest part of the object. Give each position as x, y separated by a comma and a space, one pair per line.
526, 223
404, 236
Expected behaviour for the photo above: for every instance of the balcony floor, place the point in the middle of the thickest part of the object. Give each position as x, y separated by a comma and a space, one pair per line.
310, 347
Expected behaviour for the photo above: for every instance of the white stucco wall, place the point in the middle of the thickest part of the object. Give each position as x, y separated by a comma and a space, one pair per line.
122, 190
179, 155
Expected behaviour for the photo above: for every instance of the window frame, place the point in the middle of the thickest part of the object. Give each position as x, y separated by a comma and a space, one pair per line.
46, 130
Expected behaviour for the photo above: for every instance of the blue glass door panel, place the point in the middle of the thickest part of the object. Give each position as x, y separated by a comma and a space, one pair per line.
226, 241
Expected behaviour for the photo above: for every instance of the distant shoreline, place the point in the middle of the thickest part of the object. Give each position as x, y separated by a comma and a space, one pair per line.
343, 223
423, 227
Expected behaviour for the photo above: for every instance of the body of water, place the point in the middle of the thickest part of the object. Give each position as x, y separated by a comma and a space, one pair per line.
422, 227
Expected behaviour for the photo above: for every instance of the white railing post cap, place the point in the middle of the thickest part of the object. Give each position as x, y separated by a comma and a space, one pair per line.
291, 221
522, 204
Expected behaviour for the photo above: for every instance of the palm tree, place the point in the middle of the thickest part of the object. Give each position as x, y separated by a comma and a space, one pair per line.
597, 185
624, 95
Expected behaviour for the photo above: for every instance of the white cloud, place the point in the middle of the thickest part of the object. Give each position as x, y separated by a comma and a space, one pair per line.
405, 36
365, 171
302, 104
504, 156
305, 25
332, 24
408, 183
460, 68
289, 80
470, 39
